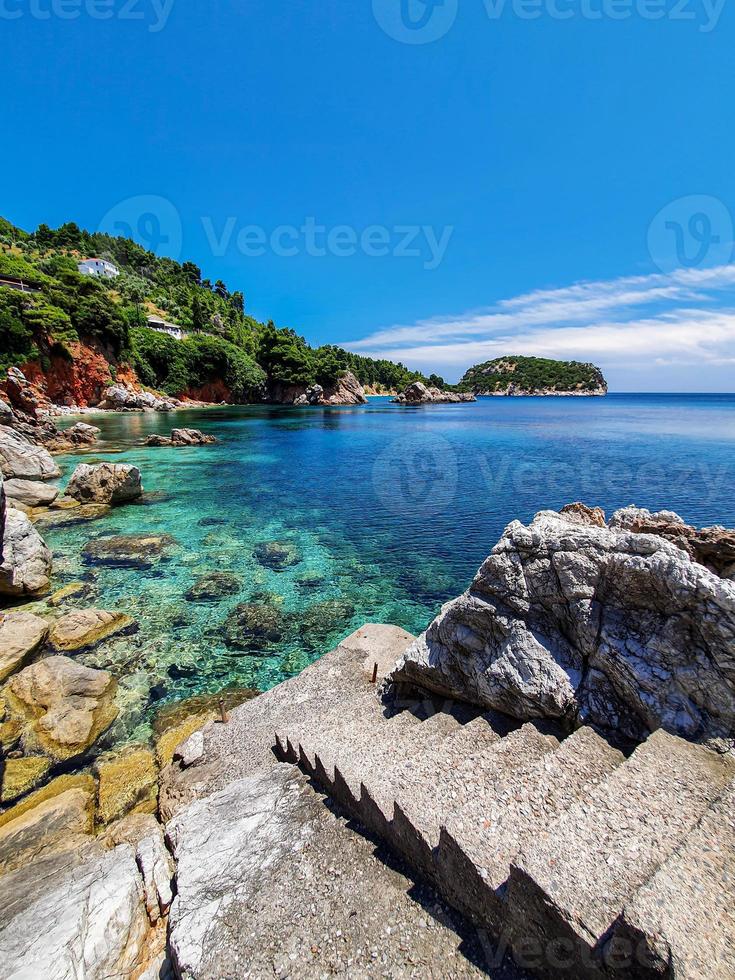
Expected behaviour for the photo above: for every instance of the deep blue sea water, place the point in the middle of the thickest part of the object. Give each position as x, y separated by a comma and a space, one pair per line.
391, 510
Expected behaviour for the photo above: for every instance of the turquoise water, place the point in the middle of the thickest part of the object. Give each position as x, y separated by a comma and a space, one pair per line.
390, 511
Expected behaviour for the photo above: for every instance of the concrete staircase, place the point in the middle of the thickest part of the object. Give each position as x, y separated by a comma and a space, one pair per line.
587, 863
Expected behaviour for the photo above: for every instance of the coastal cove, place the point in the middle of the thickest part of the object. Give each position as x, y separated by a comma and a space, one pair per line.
384, 513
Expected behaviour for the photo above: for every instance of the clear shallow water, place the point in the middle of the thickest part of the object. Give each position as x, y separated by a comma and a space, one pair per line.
391, 511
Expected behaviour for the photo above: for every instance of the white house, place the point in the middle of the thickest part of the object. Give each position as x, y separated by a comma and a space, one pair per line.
98, 267
163, 326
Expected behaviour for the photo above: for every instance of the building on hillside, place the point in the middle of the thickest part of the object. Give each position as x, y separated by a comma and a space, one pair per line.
98, 267
13, 282
163, 326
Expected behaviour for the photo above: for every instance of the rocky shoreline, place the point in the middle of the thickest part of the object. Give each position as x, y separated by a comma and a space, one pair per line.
588, 669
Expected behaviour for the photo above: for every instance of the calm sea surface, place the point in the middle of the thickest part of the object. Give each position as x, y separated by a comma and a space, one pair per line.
389, 510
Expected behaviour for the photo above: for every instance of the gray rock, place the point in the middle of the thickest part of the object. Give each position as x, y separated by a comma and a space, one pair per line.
25, 561
21, 634
590, 624
32, 493
105, 483
156, 867
418, 394
22, 459
76, 914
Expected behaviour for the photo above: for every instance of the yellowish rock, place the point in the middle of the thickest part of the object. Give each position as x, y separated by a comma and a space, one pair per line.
128, 783
87, 627
67, 592
19, 776
10, 732
173, 736
45, 822
61, 784
64, 706
21, 634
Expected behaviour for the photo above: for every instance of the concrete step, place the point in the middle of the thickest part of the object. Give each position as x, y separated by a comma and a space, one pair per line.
681, 923
360, 734
466, 766
480, 839
570, 885
369, 762
315, 719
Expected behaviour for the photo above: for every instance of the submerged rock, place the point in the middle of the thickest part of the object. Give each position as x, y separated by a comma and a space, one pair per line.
105, 483
19, 776
128, 783
71, 516
277, 554
324, 618
589, 624
213, 586
128, 550
65, 707
25, 561
87, 627
21, 634
32, 493
253, 625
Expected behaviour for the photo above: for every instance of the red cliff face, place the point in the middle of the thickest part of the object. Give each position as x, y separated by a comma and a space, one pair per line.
78, 381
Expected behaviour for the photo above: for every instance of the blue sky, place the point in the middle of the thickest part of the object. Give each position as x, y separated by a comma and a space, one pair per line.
519, 184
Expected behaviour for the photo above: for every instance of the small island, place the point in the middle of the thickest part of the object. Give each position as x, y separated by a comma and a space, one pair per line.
516, 375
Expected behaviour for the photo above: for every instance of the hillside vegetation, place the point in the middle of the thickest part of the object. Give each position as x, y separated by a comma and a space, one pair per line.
225, 343
531, 375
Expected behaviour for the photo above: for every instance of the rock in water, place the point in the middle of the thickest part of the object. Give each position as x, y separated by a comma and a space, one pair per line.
105, 483
181, 437
128, 550
25, 561
84, 628
418, 394
213, 586
65, 706
277, 554
23, 460
21, 634
32, 493
253, 625
586, 623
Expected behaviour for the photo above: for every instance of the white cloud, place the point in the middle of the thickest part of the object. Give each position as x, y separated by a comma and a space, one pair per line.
630, 322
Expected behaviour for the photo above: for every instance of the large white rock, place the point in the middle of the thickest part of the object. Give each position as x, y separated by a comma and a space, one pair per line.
32, 493
21, 634
223, 846
105, 483
23, 460
25, 561
74, 914
571, 620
